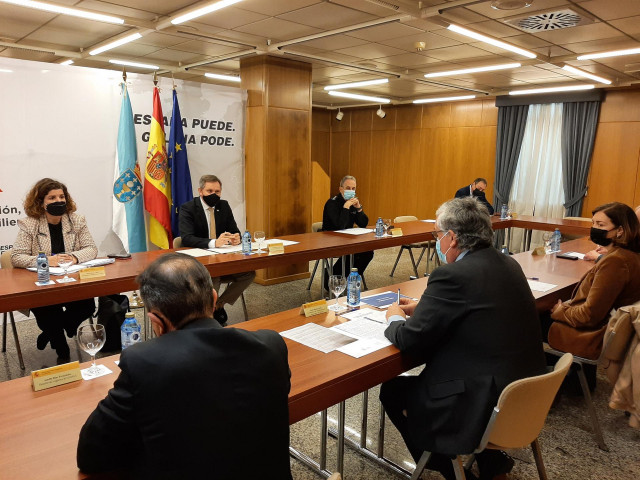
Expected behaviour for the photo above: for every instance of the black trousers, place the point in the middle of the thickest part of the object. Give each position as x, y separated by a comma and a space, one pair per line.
394, 395
360, 261
53, 320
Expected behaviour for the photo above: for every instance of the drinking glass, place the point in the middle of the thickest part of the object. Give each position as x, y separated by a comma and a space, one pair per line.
546, 238
387, 225
259, 238
64, 261
337, 284
91, 339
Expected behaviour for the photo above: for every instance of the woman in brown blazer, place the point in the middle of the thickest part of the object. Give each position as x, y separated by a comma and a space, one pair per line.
579, 324
53, 227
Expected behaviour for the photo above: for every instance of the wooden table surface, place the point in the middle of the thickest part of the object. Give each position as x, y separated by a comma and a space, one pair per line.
39, 431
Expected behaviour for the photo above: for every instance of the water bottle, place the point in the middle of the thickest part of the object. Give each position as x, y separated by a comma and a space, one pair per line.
246, 243
354, 281
504, 250
555, 241
379, 228
130, 331
504, 210
43, 268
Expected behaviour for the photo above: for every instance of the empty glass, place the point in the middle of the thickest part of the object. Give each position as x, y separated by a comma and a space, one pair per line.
337, 284
91, 339
387, 225
65, 260
259, 238
546, 238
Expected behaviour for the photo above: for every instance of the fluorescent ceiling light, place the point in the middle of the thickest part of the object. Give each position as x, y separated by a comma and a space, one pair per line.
49, 7
444, 99
4, 70
613, 53
134, 64
357, 84
67, 62
570, 88
117, 43
582, 73
228, 78
366, 98
492, 41
212, 7
464, 71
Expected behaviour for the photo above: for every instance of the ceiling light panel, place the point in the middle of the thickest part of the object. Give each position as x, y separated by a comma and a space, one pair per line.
490, 40
444, 99
134, 64
228, 78
212, 7
75, 12
585, 74
465, 71
612, 53
364, 83
117, 43
570, 88
355, 96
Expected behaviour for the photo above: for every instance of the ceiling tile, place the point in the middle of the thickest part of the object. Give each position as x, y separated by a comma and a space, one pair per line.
334, 42
433, 41
132, 49
160, 7
458, 53
408, 60
371, 50
162, 39
630, 26
205, 48
608, 10
579, 34
16, 24
326, 16
276, 28
116, 10
230, 18
602, 45
65, 30
170, 55
387, 31
539, 6
274, 7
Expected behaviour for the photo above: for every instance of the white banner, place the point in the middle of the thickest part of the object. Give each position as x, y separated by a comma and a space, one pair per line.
62, 122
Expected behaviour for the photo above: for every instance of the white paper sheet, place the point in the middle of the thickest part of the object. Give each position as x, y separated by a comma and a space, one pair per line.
362, 347
363, 328
355, 314
575, 255
96, 262
197, 252
428, 221
540, 286
254, 246
318, 337
356, 231
102, 371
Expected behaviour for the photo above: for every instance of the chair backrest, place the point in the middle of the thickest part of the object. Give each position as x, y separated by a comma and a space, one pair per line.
5, 259
523, 406
405, 218
316, 227
177, 242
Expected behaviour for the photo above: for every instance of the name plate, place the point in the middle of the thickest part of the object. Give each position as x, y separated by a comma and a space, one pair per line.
396, 232
276, 248
538, 251
314, 308
94, 272
54, 376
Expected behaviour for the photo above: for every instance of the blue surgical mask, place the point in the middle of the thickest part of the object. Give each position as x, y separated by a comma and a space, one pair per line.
349, 194
442, 256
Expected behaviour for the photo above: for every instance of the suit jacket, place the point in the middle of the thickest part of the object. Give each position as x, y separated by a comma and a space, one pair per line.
200, 402
193, 222
477, 329
33, 236
336, 217
580, 323
466, 192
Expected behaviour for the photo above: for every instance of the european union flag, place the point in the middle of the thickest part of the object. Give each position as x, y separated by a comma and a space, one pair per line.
181, 191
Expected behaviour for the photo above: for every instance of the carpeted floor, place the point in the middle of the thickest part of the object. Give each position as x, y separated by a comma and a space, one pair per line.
569, 449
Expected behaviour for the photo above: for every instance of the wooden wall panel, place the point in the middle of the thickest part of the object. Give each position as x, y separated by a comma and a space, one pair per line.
253, 80
621, 106
435, 147
361, 120
254, 163
386, 123
360, 164
320, 172
436, 115
289, 84
383, 172
489, 112
343, 125
614, 165
466, 114
409, 177
340, 149
408, 117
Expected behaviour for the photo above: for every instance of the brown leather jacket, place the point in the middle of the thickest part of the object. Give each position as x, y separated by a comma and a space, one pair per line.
580, 323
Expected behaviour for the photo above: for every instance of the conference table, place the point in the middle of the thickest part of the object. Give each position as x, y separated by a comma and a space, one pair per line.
18, 289
39, 430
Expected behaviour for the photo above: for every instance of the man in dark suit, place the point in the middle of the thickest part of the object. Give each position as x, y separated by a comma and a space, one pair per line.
341, 212
476, 328
476, 189
197, 230
198, 401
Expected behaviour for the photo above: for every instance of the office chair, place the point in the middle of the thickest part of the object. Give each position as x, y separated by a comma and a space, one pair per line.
425, 246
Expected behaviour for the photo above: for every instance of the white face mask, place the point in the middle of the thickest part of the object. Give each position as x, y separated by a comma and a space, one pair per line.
442, 256
349, 194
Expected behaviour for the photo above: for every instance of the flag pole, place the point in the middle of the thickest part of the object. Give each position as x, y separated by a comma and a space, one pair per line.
124, 75
155, 79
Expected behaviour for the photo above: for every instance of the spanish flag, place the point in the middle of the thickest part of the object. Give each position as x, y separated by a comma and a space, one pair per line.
157, 180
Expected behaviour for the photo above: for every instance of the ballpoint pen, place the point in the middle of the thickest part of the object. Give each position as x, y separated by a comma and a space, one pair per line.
398, 296
533, 278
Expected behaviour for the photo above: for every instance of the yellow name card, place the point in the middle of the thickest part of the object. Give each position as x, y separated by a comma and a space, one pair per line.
276, 248
54, 376
314, 308
538, 251
396, 232
94, 272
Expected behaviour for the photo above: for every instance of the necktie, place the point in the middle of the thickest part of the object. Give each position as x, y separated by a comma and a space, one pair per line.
212, 224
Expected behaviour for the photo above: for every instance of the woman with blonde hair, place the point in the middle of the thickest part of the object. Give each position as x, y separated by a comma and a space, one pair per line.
53, 227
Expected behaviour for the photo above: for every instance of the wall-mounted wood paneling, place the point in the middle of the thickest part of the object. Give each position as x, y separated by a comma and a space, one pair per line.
383, 174
360, 164
340, 150
436, 115
320, 162
466, 114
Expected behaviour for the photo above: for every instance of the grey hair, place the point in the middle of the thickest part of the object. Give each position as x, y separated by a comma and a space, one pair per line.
469, 220
209, 179
345, 178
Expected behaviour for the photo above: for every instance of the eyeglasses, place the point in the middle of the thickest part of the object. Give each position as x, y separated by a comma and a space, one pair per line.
436, 232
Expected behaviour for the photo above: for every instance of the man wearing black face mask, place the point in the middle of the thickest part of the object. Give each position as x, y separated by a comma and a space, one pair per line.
476, 189
207, 222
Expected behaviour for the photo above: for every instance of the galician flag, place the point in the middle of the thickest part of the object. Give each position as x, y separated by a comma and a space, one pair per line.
157, 183
181, 190
128, 214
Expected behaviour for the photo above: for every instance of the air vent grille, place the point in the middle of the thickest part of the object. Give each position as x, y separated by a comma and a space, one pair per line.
546, 21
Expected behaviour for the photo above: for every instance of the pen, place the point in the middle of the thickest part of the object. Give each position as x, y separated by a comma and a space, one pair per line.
398, 296
533, 278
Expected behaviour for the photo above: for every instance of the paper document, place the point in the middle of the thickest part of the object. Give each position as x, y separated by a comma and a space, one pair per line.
286, 243
363, 328
196, 252
540, 286
382, 300
102, 370
362, 347
96, 262
575, 255
356, 231
254, 246
317, 337
428, 221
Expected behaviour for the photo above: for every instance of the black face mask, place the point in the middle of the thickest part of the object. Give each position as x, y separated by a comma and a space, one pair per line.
478, 193
57, 209
599, 236
211, 200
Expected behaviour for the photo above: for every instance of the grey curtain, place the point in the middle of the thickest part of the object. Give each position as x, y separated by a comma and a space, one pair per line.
579, 123
511, 123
